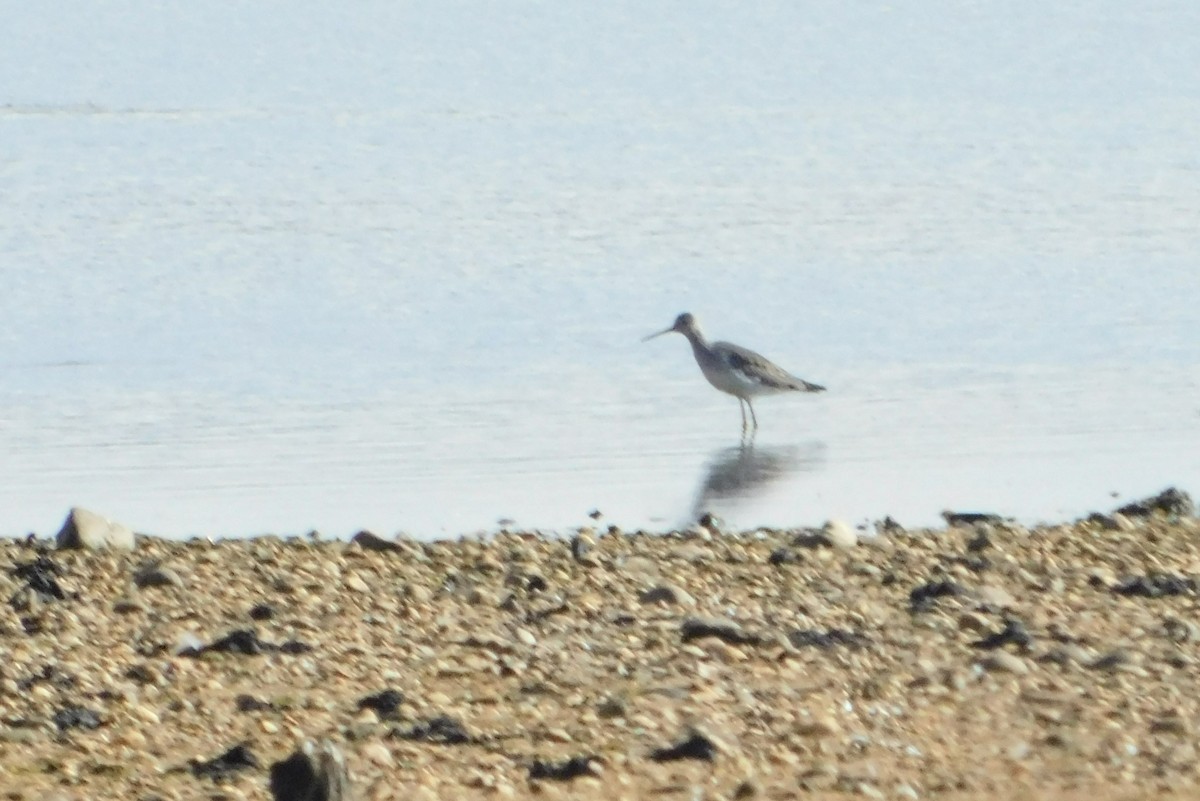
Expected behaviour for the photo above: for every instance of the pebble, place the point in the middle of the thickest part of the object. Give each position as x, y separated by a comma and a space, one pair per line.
378, 753
668, 594
696, 745
156, 575
1004, 662
819, 727
369, 541
731, 632
995, 596
839, 534
130, 606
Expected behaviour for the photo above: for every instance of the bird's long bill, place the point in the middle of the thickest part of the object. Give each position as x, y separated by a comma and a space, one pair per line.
659, 334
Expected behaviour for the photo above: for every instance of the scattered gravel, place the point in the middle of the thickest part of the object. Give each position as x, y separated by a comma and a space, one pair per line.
986, 660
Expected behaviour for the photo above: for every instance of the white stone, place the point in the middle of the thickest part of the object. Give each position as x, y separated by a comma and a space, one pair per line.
1004, 662
839, 534
997, 596
84, 529
378, 753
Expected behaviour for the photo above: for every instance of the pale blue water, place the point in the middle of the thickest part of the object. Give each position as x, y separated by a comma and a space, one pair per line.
275, 267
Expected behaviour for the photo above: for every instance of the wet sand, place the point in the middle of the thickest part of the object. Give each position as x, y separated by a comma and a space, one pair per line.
980, 661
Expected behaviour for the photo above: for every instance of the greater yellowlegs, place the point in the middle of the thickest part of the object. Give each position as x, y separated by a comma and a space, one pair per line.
736, 370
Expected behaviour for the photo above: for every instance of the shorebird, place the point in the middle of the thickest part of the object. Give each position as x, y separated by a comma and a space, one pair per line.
736, 370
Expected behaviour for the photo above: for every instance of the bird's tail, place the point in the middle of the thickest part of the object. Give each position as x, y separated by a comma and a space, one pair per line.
808, 386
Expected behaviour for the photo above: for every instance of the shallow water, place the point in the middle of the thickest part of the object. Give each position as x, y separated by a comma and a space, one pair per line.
391, 268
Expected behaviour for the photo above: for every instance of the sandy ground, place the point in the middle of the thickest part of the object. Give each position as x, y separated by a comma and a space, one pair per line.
984, 661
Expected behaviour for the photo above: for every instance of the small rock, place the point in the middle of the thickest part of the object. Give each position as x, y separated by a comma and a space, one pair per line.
77, 717
369, 541
668, 594
972, 621
1112, 661
865, 569
378, 753
1156, 585
129, 606
821, 776
557, 734
262, 612
980, 542
386, 703
640, 566
811, 638
248, 703
1171, 502
1108, 522
418, 594
922, 598
573, 768
611, 708
746, 788
839, 534
241, 641
994, 596
41, 582
726, 630
1005, 662
1014, 633
1170, 724
1181, 631
581, 550
219, 768
145, 674
311, 773
819, 727
695, 746
781, 556
187, 644
442, 729
954, 519
356, 583
1067, 654
153, 574
84, 529
868, 790
21, 735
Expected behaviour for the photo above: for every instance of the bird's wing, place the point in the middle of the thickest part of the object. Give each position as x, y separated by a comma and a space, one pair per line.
759, 369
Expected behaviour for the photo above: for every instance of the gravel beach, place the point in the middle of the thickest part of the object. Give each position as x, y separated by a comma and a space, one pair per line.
983, 660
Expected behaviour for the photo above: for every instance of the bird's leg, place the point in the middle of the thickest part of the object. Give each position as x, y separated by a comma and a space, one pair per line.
752, 416
742, 409
747, 438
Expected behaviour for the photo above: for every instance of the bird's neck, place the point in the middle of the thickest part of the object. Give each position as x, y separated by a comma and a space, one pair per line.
697, 340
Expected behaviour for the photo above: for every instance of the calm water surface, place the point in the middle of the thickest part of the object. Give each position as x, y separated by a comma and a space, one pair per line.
285, 267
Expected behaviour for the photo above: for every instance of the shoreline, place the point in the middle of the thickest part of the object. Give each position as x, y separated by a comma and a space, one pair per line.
983, 660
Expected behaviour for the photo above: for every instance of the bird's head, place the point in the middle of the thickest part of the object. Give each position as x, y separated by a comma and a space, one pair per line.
684, 324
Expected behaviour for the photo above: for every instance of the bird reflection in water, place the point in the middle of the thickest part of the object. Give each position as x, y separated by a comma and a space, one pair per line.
739, 473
